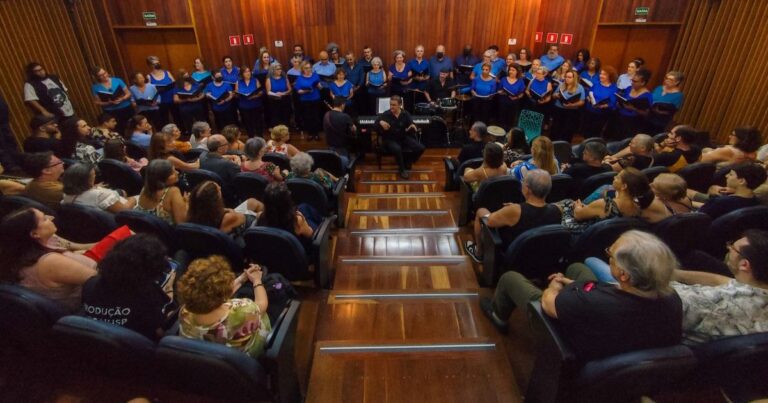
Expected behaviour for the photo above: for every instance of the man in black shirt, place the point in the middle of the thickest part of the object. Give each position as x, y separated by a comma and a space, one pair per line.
339, 129
214, 161
393, 126
600, 319
638, 154
45, 135
478, 136
592, 163
441, 87
678, 149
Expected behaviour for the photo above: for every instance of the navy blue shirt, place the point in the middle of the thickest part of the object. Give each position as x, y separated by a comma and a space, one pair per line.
308, 83
355, 74
213, 92
250, 89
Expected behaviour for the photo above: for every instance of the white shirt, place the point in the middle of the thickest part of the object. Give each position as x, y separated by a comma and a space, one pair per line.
96, 196
57, 94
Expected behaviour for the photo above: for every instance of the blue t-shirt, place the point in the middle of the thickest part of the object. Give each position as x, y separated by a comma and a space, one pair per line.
626, 94
213, 91
141, 139
250, 89
567, 94
166, 97
538, 86
484, 88
343, 90
398, 76
376, 81
188, 107
674, 98
116, 85
551, 64
419, 68
149, 93
499, 64
512, 89
278, 84
592, 78
308, 83
600, 93
436, 65
230, 77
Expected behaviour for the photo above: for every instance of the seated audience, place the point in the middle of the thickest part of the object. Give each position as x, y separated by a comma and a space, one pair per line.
36, 258
278, 144
206, 207
45, 135
160, 197
632, 197
516, 146
127, 291
678, 149
10, 187
513, 219
74, 142
255, 148
161, 147
103, 131
716, 306
280, 212
638, 154
215, 162
478, 137
232, 134
201, 131
543, 157
671, 191
591, 163
138, 131
174, 133
738, 193
742, 146
80, 188
45, 169
210, 313
115, 149
301, 167
492, 166
598, 319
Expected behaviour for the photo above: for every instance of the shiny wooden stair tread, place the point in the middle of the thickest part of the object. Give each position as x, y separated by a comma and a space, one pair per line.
400, 219
377, 273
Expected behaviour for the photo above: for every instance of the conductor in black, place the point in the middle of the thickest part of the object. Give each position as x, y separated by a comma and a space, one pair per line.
396, 127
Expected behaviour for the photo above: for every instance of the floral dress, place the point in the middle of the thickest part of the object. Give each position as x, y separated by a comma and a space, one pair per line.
244, 328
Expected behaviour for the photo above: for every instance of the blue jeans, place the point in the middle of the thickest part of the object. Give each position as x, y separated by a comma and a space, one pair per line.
600, 269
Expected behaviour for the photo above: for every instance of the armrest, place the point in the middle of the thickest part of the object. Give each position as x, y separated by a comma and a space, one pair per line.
351, 167
338, 194
321, 252
278, 357
465, 205
492, 252
555, 361
450, 172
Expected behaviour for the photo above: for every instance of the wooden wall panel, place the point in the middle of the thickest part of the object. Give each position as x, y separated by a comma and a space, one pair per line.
384, 25
169, 12
26, 35
658, 10
88, 27
577, 17
176, 49
719, 97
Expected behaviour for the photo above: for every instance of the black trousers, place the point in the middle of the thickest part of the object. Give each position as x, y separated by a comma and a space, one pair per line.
483, 110
565, 123
399, 148
188, 117
508, 111
253, 121
226, 117
593, 124
279, 111
164, 115
311, 116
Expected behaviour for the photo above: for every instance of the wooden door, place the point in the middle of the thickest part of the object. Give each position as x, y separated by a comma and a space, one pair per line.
616, 45
176, 48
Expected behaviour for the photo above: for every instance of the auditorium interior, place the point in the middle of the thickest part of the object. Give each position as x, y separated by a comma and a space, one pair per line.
396, 277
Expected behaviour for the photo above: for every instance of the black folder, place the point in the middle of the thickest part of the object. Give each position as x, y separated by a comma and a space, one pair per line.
220, 98
106, 96
186, 94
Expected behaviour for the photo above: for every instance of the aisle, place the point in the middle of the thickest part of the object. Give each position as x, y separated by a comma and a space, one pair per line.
403, 322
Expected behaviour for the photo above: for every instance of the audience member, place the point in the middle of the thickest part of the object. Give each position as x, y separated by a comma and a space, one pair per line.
280, 212
115, 149
206, 207
80, 188
671, 190
599, 319
138, 131
128, 289
45, 169
201, 131
73, 142
209, 313
103, 131
738, 191
543, 157
492, 166
160, 196
232, 134
515, 218
591, 163
638, 154
161, 147
46, 94
742, 146
678, 149
10, 187
255, 148
45, 135
280, 136
301, 167
478, 137
216, 163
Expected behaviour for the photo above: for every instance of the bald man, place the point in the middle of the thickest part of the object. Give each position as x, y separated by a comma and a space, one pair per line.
324, 68
439, 62
215, 162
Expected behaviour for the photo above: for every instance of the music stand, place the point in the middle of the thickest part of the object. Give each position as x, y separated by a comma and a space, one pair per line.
382, 105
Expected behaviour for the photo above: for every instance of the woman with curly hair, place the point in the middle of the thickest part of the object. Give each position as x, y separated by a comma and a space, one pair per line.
210, 313
742, 146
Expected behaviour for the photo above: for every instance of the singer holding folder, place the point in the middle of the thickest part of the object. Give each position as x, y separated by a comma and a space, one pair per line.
399, 74
484, 87
113, 96
308, 87
634, 104
601, 103
539, 91
145, 98
189, 98
162, 80
511, 93
667, 100
569, 98
250, 102
220, 95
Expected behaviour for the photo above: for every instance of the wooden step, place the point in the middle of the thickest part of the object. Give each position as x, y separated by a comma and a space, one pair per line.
393, 175
404, 273
398, 245
399, 186
398, 219
412, 201
474, 370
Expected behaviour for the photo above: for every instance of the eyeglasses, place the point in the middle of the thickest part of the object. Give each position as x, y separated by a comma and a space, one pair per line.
55, 164
730, 245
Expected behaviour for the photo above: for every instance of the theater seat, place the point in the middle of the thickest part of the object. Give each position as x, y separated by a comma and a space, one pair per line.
202, 241
492, 194
282, 253
563, 151
331, 162
562, 187
652, 172
193, 154
729, 227
249, 185
616, 146
197, 176
683, 232
26, 319
602, 234
310, 192
134, 151
145, 223
535, 253
559, 377
9, 204
578, 150
224, 373
738, 364
84, 224
119, 175
92, 346
699, 176
281, 160
593, 183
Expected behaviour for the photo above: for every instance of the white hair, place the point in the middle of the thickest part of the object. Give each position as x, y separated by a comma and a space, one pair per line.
647, 259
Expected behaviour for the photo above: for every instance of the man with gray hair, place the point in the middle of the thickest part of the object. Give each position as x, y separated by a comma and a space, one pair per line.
599, 319
478, 136
201, 131
639, 154
514, 219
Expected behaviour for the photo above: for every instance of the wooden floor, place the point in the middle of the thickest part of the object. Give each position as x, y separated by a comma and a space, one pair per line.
402, 322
